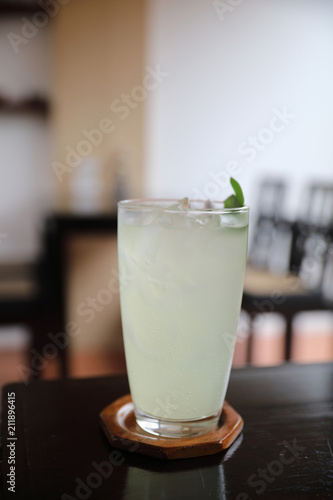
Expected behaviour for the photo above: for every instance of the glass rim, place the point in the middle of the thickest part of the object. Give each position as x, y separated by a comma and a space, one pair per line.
151, 204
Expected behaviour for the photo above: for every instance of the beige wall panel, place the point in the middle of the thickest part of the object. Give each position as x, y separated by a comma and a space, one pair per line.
98, 50
92, 265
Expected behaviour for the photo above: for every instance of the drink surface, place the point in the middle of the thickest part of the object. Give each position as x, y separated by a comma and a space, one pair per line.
180, 306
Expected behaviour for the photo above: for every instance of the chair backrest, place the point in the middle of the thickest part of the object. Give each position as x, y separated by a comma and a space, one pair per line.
312, 239
272, 193
318, 206
271, 244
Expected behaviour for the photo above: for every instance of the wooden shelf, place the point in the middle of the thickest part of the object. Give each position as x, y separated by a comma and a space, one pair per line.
8, 7
38, 105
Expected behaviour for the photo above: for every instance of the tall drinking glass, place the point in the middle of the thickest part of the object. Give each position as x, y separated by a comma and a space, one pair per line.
183, 273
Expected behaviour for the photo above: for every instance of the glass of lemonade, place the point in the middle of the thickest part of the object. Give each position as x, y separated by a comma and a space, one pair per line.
184, 266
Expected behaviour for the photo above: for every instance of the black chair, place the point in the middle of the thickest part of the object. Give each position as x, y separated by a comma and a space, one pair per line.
28, 297
310, 261
272, 234
312, 236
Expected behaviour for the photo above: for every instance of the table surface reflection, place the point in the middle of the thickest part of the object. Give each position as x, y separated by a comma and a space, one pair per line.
285, 450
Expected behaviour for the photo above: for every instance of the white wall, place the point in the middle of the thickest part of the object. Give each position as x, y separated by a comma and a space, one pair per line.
25, 183
226, 76
25, 62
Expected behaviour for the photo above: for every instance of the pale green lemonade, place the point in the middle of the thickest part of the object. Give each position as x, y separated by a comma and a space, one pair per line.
180, 306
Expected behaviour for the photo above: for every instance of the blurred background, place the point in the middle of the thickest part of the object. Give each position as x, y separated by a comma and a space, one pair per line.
106, 100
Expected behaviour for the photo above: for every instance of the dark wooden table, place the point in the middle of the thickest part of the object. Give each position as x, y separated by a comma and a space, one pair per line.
285, 451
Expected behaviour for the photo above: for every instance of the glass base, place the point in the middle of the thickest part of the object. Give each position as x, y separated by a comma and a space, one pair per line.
176, 428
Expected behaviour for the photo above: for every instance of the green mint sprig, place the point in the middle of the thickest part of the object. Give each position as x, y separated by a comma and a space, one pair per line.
235, 200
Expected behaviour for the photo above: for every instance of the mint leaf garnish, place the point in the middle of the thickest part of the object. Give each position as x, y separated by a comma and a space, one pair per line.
232, 202
235, 200
238, 191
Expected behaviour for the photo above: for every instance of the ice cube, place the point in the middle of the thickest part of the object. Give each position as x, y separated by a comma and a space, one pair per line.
180, 205
208, 205
235, 220
184, 203
209, 221
138, 217
176, 214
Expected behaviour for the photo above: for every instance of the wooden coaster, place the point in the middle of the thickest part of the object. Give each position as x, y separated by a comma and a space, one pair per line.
119, 425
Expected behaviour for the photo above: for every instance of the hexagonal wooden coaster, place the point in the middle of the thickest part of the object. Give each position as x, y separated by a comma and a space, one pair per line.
119, 425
